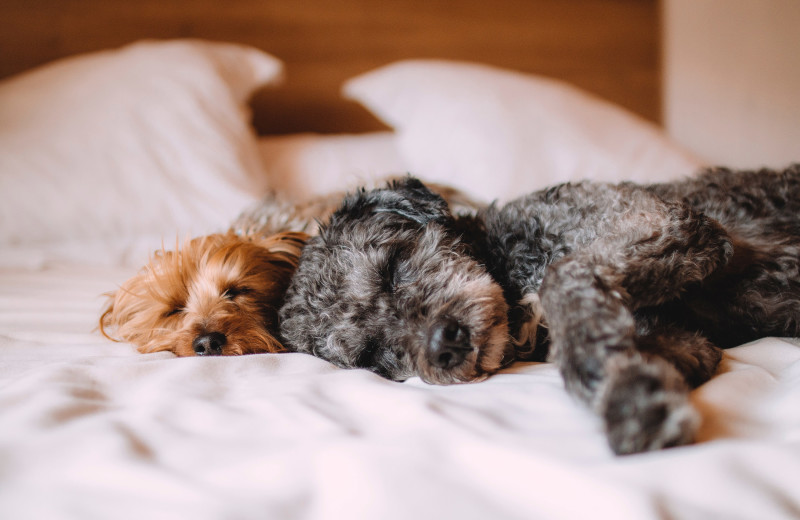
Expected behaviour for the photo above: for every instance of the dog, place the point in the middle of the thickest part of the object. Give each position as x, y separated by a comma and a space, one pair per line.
632, 290
219, 294
216, 295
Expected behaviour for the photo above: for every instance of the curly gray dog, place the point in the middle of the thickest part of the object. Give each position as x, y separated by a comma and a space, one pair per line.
633, 289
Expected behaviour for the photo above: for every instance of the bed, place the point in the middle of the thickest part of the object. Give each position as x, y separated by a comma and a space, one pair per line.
141, 136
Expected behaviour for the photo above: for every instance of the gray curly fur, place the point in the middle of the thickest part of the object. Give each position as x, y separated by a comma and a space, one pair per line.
631, 289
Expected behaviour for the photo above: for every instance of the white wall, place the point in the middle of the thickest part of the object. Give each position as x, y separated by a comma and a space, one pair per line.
732, 79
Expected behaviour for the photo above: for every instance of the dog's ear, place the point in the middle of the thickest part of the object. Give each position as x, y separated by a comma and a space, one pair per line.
407, 197
286, 246
415, 202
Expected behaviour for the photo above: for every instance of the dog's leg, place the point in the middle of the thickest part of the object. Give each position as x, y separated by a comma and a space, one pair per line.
642, 399
668, 249
640, 391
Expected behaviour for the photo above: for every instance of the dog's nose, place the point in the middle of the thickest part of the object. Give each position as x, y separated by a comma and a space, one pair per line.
209, 344
448, 344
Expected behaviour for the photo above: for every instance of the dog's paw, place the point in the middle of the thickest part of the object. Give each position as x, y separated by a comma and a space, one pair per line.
646, 407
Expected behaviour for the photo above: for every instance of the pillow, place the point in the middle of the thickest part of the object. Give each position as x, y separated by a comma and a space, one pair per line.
150, 138
498, 134
301, 166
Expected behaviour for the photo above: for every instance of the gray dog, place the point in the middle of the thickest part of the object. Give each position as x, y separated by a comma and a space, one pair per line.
633, 289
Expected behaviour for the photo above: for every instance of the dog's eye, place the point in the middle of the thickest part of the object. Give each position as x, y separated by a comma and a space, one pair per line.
394, 271
173, 311
232, 292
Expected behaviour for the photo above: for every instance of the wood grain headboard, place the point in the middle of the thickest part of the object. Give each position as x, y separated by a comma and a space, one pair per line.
609, 47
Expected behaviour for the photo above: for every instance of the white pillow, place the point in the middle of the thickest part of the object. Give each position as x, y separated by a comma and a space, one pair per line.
154, 137
498, 134
301, 166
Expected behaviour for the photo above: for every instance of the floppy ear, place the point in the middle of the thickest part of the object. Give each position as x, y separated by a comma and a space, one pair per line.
413, 200
407, 197
286, 246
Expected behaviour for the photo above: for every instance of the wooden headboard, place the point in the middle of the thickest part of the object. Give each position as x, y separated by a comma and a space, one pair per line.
609, 47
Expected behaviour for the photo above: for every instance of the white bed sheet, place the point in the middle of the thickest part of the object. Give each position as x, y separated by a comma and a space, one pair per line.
91, 429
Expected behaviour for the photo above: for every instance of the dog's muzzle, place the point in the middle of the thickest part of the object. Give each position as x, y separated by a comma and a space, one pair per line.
448, 344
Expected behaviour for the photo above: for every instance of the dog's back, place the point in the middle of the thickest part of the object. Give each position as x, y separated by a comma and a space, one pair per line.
757, 293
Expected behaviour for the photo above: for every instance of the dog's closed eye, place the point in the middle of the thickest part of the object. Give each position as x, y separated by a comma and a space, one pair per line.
393, 271
173, 311
232, 292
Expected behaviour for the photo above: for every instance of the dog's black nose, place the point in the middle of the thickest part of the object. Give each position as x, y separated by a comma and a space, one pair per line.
448, 344
209, 344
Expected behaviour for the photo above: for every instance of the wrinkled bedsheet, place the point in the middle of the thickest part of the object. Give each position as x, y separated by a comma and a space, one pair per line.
92, 429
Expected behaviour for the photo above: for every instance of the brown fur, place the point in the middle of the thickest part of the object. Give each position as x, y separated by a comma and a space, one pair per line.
224, 284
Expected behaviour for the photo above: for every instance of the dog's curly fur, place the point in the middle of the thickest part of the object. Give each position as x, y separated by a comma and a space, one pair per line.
219, 294
384, 275
634, 289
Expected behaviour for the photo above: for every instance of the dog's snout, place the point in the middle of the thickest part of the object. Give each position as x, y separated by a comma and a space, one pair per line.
448, 344
209, 344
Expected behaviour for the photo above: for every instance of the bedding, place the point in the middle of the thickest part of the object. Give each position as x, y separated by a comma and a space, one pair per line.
498, 133
154, 138
92, 429
308, 165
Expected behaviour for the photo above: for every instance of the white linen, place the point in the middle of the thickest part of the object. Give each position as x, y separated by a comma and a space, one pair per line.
306, 165
497, 133
154, 137
90, 429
